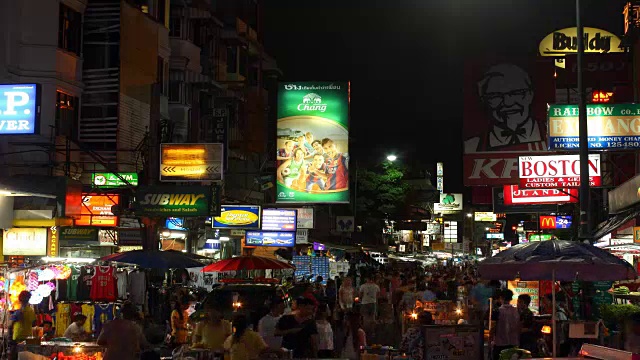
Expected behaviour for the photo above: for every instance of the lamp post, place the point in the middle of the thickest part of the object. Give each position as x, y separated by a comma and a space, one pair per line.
585, 226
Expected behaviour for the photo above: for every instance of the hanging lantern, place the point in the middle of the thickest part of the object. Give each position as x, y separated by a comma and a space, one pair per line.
32, 283
43, 290
35, 298
46, 275
65, 272
16, 288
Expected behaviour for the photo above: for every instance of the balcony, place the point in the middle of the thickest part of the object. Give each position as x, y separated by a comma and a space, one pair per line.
188, 52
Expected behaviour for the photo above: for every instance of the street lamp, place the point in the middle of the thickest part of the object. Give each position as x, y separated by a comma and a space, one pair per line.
392, 158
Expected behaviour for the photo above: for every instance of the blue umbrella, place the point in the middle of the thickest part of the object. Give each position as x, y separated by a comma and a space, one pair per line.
154, 259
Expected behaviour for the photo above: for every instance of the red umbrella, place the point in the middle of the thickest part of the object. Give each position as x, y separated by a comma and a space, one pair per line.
247, 263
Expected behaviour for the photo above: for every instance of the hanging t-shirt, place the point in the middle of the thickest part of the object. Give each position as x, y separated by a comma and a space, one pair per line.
61, 289
103, 285
76, 309
137, 287
63, 318
103, 313
84, 283
72, 286
88, 311
122, 283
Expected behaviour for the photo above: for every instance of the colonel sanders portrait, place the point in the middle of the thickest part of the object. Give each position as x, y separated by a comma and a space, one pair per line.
506, 93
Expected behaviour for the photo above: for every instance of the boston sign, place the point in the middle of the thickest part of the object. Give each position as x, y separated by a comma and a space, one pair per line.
173, 201
611, 126
556, 171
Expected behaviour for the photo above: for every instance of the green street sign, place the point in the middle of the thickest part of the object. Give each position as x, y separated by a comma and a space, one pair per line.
169, 200
111, 180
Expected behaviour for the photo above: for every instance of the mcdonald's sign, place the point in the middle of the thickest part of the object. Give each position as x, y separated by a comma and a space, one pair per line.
555, 222
547, 222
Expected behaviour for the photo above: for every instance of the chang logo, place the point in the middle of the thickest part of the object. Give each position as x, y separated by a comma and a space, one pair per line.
312, 102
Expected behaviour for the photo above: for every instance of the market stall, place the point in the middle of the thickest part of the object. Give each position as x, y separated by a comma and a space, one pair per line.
60, 350
555, 260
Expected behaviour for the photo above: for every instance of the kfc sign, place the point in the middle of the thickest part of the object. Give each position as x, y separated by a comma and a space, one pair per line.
556, 171
513, 195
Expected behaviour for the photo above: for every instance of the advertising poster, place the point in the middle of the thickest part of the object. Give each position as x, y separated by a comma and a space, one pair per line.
505, 105
313, 143
532, 288
279, 220
96, 211
611, 126
270, 238
305, 218
170, 200
19, 109
238, 217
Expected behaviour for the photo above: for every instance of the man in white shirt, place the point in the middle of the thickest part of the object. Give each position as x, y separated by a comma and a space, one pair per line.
369, 298
75, 331
267, 325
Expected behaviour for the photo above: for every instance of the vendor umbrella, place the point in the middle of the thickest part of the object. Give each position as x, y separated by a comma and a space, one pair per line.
555, 260
247, 263
154, 259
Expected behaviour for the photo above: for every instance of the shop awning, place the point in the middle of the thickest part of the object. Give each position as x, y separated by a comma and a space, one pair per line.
614, 222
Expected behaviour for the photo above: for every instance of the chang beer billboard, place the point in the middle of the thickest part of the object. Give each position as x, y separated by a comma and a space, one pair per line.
180, 201
313, 143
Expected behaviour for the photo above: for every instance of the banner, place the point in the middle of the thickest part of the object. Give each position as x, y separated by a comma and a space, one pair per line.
513, 195
556, 171
167, 200
191, 162
313, 143
19, 109
504, 108
610, 126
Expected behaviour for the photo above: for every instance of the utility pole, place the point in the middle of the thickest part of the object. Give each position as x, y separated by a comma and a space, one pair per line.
585, 201
150, 240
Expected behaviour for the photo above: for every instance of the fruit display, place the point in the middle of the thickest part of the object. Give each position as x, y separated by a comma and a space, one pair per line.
621, 290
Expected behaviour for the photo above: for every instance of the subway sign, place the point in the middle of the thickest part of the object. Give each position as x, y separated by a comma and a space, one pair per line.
177, 201
19, 108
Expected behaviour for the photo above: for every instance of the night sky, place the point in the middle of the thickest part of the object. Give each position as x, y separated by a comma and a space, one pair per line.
405, 59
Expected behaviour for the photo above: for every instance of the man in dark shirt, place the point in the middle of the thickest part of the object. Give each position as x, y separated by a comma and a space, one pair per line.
527, 336
298, 330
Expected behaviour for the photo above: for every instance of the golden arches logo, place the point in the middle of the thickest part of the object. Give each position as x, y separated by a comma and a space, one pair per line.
548, 222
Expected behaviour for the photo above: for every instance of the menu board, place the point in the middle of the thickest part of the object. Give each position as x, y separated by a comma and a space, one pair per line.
532, 288
303, 265
601, 296
320, 267
453, 342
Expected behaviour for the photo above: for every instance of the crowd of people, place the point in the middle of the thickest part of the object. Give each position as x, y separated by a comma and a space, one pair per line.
333, 319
